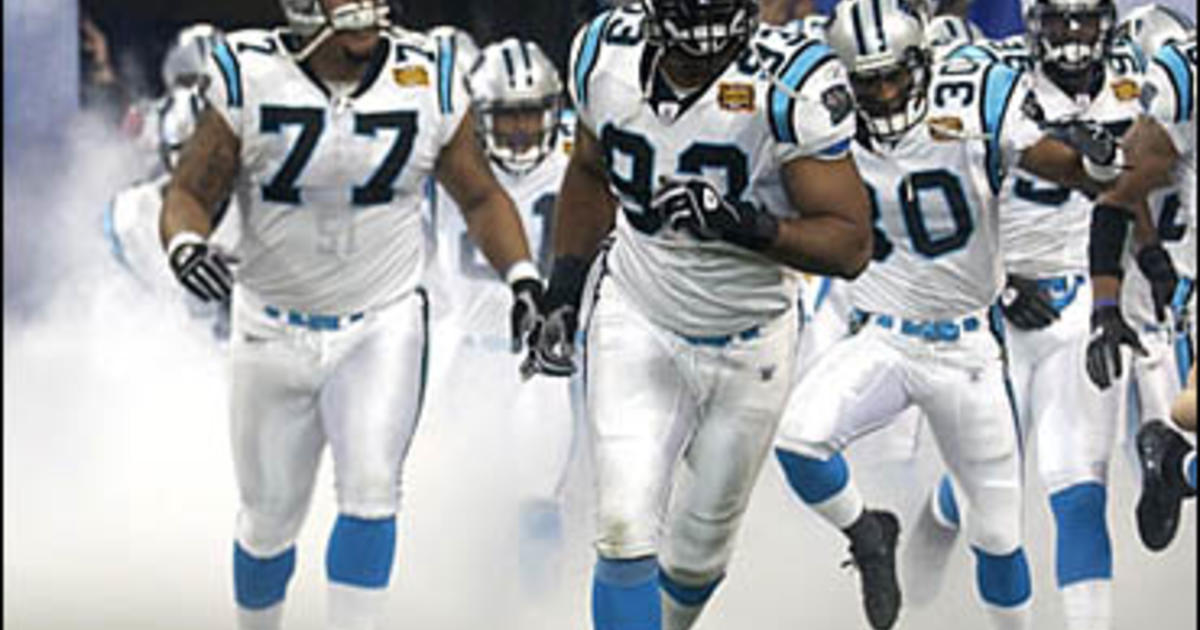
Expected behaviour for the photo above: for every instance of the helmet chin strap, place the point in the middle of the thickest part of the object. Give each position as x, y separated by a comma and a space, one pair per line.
348, 17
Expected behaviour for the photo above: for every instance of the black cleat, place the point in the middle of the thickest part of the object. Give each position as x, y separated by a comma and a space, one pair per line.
1161, 452
873, 539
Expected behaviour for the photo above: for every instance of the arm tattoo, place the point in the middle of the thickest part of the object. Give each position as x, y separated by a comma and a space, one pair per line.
209, 163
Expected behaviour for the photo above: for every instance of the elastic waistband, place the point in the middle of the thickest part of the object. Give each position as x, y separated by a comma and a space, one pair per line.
929, 330
313, 321
721, 341
1062, 289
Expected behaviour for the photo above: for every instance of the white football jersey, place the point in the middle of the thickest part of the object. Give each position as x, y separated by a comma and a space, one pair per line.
1169, 95
785, 98
935, 195
478, 299
1045, 227
332, 176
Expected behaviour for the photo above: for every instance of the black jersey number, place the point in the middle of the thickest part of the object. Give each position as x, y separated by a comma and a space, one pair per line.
378, 189
924, 240
1170, 228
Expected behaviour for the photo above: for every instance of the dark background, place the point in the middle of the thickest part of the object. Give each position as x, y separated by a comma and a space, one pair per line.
139, 31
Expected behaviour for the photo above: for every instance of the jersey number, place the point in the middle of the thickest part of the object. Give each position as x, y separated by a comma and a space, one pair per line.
1170, 229
311, 120
924, 241
630, 161
469, 256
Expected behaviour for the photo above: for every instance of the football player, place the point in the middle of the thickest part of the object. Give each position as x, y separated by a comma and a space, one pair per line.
1162, 153
327, 129
517, 101
935, 145
715, 149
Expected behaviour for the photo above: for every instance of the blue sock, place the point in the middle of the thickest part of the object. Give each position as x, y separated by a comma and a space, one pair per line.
947, 505
814, 480
361, 551
1003, 581
261, 582
1084, 550
687, 595
625, 595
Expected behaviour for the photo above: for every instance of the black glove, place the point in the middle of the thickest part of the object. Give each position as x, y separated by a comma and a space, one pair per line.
552, 347
1026, 305
1091, 139
697, 206
526, 311
1155, 263
1109, 333
200, 268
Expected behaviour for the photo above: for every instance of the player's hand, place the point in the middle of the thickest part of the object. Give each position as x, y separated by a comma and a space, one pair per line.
1109, 333
1026, 305
695, 205
1155, 263
201, 268
1099, 148
552, 345
525, 316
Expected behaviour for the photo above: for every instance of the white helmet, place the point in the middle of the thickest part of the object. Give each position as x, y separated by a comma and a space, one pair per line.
466, 51
877, 40
1070, 36
309, 18
1152, 25
945, 33
177, 119
514, 77
186, 61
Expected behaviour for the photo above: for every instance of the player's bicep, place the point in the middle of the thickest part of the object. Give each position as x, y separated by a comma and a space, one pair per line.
828, 187
208, 165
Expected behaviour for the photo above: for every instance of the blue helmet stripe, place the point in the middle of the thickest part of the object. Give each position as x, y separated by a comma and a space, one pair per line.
588, 55
1180, 72
230, 71
999, 85
794, 75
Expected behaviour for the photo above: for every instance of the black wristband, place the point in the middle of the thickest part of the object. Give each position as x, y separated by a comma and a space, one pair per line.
1110, 228
1155, 262
566, 282
761, 231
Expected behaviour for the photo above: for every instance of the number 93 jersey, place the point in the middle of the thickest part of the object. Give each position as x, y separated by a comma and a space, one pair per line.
331, 179
934, 195
784, 98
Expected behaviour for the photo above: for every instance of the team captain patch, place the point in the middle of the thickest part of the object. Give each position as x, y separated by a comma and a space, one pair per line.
411, 76
1126, 90
736, 97
839, 102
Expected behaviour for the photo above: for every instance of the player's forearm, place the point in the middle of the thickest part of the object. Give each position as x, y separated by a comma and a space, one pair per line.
182, 212
829, 245
585, 212
1055, 161
495, 227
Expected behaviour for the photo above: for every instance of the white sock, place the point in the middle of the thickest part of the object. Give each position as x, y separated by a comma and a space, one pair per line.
263, 619
676, 616
843, 508
1088, 605
355, 608
1015, 618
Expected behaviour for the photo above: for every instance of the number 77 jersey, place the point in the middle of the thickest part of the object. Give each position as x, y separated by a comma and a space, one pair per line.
332, 175
934, 195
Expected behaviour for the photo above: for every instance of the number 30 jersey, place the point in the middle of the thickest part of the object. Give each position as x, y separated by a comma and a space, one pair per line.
934, 195
784, 98
332, 175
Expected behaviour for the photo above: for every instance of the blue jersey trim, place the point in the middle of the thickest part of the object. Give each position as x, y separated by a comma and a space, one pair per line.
589, 52
795, 73
836, 149
110, 234
230, 71
1181, 79
999, 85
446, 52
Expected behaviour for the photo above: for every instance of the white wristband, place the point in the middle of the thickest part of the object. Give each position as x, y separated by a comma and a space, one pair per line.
185, 237
521, 270
1105, 174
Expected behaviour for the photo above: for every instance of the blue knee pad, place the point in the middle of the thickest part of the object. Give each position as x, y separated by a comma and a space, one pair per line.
361, 550
1003, 581
814, 480
946, 503
1084, 550
687, 595
625, 595
260, 583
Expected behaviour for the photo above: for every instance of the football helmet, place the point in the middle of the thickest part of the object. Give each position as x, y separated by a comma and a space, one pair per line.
1153, 25
516, 95
187, 56
177, 119
882, 44
309, 18
945, 33
700, 29
1070, 37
